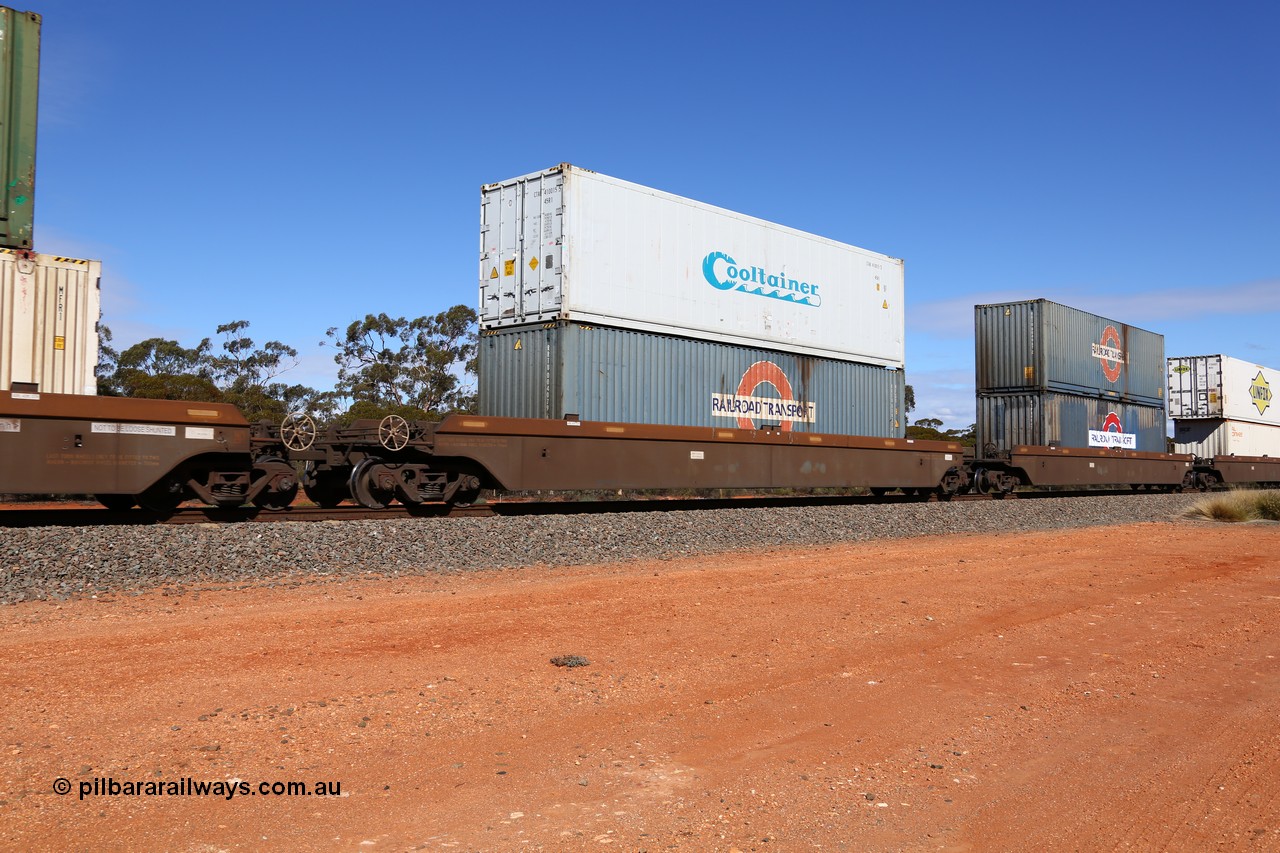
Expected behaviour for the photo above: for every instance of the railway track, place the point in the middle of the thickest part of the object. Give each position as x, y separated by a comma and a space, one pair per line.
81, 515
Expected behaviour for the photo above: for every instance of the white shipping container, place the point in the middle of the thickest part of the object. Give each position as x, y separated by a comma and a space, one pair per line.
49, 308
570, 244
1218, 386
1217, 437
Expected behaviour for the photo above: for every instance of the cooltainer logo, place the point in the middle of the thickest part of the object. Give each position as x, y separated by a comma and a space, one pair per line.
1109, 353
1260, 392
723, 273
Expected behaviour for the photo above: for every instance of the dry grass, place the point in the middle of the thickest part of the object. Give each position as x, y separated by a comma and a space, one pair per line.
1237, 506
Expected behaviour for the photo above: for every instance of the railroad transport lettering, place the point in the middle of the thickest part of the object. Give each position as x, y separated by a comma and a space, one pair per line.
1108, 353
1107, 438
762, 408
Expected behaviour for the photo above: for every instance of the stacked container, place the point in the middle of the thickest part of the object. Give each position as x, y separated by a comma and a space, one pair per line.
20, 78
49, 308
605, 300
1051, 375
1223, 406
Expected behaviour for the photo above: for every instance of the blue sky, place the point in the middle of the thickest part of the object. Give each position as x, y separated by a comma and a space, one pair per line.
301, 164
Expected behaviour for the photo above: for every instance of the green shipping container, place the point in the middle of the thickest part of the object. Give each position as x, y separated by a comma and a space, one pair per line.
19, 86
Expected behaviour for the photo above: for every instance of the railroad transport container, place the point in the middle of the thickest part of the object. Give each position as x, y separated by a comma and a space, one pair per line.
19, 86
49, 308
570, 244
1069, 421
1220, 387
1218, 437
599, 373
1040, 345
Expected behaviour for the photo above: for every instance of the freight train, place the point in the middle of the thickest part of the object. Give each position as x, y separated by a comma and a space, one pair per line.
629, 340
157, 453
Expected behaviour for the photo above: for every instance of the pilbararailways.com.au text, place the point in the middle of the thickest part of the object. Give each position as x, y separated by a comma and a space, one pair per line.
227, 789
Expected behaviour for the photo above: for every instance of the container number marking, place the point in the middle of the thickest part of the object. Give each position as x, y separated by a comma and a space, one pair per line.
10, 425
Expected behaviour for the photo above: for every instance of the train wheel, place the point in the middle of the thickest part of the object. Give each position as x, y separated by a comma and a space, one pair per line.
368, 486
326, 489
282, 488
117, 502
468, 491
163, 497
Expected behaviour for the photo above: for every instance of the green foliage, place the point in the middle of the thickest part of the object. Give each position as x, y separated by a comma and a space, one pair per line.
164, 370
909, 400
409, 367
245, 373
421, 368
927, 429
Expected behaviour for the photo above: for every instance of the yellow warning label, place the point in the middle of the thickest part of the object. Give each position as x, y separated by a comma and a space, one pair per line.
533, 263
59, 342
494, 274
886, 304
508, 267
518, 344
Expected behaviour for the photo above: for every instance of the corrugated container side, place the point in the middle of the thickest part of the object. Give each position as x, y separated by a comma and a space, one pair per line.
49, 309
1067, 420
570, 244
19, 88
1040, 345
605, 374
1218, 386
1218, 437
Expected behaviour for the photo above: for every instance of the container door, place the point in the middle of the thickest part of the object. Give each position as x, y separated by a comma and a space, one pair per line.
1208, 388
521, 228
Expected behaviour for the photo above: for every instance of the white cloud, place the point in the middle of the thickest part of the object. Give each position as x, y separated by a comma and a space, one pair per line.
953, 318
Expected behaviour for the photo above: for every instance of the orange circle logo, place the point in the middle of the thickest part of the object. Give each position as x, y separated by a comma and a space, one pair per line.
762, 373
1110, 355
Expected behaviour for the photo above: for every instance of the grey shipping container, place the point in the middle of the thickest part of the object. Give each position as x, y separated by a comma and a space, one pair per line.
1043, 346
19, 85
1050, 418
600, 373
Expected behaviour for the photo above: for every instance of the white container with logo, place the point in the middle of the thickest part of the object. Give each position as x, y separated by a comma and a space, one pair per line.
1218, 437
1218, 386
49, 309
570, 244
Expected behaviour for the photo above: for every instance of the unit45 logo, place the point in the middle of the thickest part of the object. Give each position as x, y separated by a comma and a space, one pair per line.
1260, 391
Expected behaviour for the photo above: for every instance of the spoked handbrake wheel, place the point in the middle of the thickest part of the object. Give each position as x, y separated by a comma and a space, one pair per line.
393, 432
298, 431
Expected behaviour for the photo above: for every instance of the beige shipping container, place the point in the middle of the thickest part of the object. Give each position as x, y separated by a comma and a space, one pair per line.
1217, 437
49, 308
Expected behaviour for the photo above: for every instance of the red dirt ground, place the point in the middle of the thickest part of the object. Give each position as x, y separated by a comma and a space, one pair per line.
1105, 689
